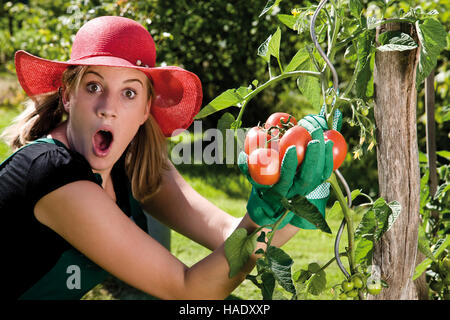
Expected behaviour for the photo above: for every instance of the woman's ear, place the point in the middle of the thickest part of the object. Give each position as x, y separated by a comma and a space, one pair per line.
148, 107
64, 99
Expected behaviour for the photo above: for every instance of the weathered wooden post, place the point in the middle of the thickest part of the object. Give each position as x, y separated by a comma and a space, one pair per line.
398, 163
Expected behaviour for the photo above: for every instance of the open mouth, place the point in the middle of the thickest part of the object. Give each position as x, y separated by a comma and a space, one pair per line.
102, 142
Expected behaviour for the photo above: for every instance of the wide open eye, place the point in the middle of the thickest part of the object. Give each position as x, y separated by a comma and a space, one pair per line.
93, 87
130, 94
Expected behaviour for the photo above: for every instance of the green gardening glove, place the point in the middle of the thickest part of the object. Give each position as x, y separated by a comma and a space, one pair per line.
264, 204
316, 167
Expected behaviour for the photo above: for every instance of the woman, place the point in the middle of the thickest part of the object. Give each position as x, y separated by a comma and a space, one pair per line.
90, 153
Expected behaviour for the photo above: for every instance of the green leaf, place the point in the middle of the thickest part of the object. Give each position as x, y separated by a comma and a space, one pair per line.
231, 97
309, 86
355, 7
444, 154
424, 191
268, 6
350, 53
335, 209
423, 157
267, 285
422, 243
396, 41
288, 20
366, 226
262, 237
280, 263
301, 276
422, 267
271, 46
263, 49
433, 38
396, 209
441, 191
378, 220
364, 52
238, 248
305, 209
274, 44
441, 245
300, 57
385, 216
364, 251
225, 122
317, 283
313, 267
354, 194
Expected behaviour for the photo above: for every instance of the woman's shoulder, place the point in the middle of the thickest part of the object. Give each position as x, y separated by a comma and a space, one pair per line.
40, 168
43, 157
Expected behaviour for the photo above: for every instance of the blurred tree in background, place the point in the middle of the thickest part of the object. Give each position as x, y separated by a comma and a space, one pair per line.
217, 40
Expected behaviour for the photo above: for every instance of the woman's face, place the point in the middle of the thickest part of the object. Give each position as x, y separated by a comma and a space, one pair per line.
105, 113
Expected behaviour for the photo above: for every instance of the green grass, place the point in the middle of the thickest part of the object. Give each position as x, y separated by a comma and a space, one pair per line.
6, 116
228, 189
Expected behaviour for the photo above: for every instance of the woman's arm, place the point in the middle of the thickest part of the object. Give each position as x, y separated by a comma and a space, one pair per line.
86, 217
184, 210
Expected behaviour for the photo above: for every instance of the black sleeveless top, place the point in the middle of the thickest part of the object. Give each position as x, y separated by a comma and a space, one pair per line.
38, 263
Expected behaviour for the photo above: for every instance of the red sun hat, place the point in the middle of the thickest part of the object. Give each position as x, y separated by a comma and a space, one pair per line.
119, 42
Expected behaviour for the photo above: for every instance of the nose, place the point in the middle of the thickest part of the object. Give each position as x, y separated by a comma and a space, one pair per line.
106, 109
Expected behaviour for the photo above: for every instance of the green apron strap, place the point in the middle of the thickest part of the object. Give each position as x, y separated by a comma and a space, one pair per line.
71, 278
40, 140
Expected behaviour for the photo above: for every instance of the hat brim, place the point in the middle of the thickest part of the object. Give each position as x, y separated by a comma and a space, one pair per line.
178, 92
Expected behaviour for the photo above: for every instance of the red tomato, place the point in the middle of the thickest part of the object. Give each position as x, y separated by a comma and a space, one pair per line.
264, 166
339, 147
256, 138
296, 136
277, 119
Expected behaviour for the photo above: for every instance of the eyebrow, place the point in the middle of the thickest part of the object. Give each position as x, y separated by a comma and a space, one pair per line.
126, 81
131, 80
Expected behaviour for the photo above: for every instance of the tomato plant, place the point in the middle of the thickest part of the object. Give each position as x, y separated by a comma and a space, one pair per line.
339, 147
296, 136
343, 26
264, 166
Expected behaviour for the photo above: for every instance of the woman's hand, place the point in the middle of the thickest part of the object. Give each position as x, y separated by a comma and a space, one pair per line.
264, 204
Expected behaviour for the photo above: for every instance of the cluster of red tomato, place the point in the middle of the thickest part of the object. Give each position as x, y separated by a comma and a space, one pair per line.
266, 146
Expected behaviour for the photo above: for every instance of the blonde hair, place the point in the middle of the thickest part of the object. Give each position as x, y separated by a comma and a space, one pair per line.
145, 157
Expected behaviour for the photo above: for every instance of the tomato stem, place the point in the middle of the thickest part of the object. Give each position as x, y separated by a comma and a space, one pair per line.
275, 226
272, 80
343, 254
346, 211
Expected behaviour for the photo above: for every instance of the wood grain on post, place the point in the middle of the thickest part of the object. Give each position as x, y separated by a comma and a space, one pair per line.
398, 163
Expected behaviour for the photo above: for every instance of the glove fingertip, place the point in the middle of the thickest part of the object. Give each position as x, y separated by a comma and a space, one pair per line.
243, 163
317, 134
290, 154
289, 163
329, 161
242, 157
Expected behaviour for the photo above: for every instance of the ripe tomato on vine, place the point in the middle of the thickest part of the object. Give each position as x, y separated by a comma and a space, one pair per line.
256, 138
296, 136
339, 147
264, 166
